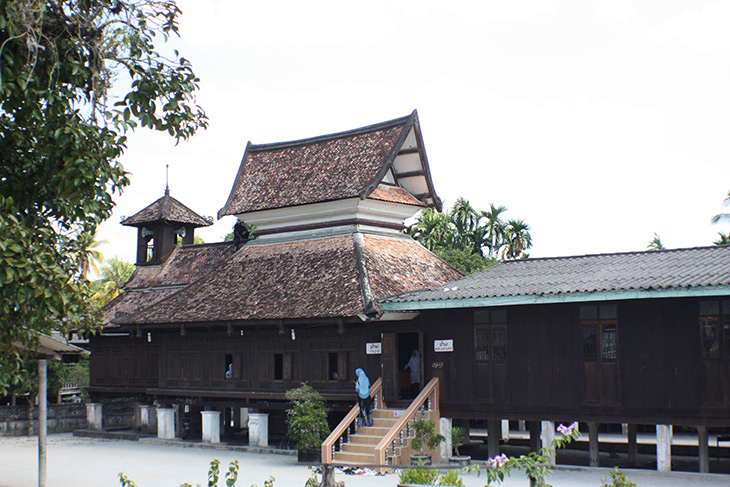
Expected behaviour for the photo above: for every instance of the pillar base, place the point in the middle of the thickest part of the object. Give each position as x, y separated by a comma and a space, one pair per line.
211, 426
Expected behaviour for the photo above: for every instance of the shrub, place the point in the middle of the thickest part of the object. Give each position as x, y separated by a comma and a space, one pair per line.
307, 419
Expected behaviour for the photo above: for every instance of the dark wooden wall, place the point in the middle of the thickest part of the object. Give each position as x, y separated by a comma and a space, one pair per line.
660, 374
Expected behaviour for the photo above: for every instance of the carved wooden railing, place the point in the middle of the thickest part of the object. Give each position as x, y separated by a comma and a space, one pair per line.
339, 434
425, 404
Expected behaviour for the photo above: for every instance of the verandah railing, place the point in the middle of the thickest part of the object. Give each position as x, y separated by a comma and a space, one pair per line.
426, 405
348, 424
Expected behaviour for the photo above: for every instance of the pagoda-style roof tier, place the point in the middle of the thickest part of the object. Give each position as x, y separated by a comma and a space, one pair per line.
333, 277
169, 210
385, 162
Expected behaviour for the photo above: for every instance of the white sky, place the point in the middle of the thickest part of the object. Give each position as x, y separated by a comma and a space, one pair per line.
599, 122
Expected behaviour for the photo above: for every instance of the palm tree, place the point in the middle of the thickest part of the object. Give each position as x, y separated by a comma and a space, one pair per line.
114, 275
86, 256
468, 234
721, 217
494, 229
433, 229
517, 239
656, 243
723, 240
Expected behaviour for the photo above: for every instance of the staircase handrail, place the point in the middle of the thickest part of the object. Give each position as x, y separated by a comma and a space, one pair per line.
328, 444
430, 391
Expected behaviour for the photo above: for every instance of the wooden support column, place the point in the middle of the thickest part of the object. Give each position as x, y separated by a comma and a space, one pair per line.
548, 435
593, 445
633, 445
534, 428
494, 432
703, 449
663, 448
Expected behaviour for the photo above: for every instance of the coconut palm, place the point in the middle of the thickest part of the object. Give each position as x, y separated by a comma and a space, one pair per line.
114, 275
433, 229
517, 239
723, 217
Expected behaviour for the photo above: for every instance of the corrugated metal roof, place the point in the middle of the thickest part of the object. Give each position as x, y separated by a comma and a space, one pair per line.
703, 267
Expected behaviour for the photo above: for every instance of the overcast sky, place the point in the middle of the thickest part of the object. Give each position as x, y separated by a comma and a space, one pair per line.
599, 122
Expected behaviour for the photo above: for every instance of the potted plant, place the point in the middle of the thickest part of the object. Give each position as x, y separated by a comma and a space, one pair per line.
426, 436
306, 422
458, 438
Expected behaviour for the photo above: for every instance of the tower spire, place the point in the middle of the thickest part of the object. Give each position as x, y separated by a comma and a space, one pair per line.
167, 179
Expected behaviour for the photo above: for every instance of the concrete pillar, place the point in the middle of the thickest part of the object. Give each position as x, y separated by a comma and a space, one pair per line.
211, 426
93, 415
624, 429
547, 436
145, 418
244, 417
593, 445
505, 430
521, 426
258, 429
494, 432
633, 445
663, 448
445, 429
42, 420
703, 449
166, 423
534, 428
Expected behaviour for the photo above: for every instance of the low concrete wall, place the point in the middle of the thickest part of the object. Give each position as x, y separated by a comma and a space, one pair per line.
62, 418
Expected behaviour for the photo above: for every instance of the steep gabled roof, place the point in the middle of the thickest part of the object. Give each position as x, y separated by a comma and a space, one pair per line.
331, 277
167, 209
333, 167
632, 275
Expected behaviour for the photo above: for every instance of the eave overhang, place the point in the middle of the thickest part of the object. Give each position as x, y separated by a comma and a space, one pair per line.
533, 299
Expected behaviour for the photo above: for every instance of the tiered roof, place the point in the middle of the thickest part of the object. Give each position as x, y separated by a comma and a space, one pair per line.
167, 209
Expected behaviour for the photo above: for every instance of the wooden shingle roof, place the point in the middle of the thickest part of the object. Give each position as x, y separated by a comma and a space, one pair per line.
333, 277
334, 167
167, 209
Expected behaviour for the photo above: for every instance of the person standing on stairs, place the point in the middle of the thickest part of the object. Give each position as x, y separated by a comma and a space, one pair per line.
362, 386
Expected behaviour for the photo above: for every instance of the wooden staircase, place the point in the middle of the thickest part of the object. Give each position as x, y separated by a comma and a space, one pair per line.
359, 448
387, 442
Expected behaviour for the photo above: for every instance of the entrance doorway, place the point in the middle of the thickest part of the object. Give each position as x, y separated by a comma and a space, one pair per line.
407, 344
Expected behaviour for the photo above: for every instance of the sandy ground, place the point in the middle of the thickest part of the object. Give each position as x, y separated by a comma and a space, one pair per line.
74, 462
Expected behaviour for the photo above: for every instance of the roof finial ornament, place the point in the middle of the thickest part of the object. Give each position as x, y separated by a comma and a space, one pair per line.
167, 179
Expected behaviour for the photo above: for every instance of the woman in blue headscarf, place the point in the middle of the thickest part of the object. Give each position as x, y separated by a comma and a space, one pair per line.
362, 386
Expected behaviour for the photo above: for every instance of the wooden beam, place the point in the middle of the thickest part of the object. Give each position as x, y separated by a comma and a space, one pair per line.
409, 174
408, 150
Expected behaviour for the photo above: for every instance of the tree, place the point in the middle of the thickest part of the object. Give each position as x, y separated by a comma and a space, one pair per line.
61, 134
516, 238
723, 240
114, 275
494, 233
720, 217
656, 243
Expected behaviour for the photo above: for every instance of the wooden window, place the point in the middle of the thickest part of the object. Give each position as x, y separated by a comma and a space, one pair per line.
599, 350
490, 354
283, 366
714, 321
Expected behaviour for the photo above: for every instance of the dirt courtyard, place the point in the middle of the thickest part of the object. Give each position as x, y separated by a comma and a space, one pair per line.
74, 462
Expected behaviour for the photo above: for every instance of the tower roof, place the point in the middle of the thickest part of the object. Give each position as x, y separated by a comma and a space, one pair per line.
169, 210
386, 161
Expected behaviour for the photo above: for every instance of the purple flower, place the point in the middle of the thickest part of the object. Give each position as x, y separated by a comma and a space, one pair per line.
567, 430
498, 461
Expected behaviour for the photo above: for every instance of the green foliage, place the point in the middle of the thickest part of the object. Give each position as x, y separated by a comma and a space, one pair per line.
723, 240
214, 471
471, 240
307, 419
418, 476
536, 465
655, 243
429, 476
115, 273
60, 140
426, 436
458, 438
618, 479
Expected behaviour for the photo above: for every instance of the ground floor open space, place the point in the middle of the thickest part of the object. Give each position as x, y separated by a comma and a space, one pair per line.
74, 461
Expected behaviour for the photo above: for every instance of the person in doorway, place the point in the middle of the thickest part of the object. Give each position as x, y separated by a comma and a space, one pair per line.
229, 372
414, 365
362, 386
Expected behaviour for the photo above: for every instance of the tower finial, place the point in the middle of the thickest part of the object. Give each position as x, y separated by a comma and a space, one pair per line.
167, 180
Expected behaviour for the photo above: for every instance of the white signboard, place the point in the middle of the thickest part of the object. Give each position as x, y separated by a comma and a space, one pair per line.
375, 348
443, 345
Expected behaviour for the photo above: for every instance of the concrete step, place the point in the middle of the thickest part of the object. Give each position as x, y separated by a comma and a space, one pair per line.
358, 448
354, 458
363, 439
